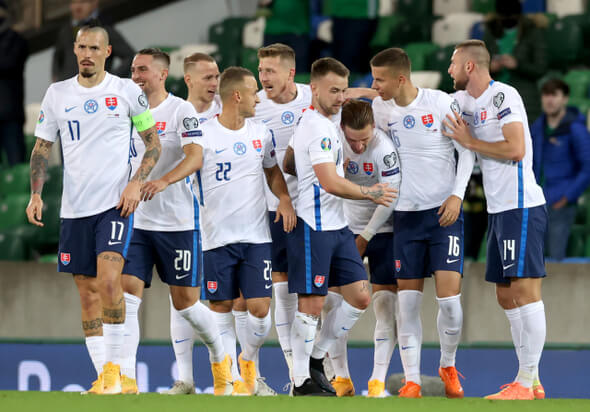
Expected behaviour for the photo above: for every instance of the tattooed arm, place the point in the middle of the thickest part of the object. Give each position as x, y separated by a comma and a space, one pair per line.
39, 162
331, 182
132, 194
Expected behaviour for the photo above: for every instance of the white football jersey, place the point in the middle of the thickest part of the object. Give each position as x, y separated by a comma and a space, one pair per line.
379, 163
233, 206
94, 125
317, 140
427, 157
281, 119
507, 184
175, 208
212, 111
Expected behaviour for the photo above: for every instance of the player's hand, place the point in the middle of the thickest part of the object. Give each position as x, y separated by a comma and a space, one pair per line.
130, 198
149, 189
449, 211
360, 93
345, 164
35, 210
560, 203
380, 193
361, 244
457, 129
286, 211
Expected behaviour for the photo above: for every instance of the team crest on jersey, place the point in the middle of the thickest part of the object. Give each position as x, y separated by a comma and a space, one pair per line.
368, 168
190, 123
326, 144
142, 100
41, 117
455, 107
212, 286
287, 117
257, 145
390, 160
427, 120
483, 116
398, 265
498, 100
319, 281
352, 168
111, 103
90, 106
239, 148
64, 258
161, 127
409, 121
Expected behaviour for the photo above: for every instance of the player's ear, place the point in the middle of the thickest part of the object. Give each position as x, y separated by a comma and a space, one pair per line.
292, 74
164, 74
109, 50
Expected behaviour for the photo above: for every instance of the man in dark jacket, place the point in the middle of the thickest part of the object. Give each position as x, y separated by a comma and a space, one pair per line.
64, 63
561, 156
14, 52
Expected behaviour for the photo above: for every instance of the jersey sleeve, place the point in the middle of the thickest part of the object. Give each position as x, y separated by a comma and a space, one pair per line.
508, 105
270, 158
320, 146
447, 105
387, 161
189, 130
380, 119
47, 126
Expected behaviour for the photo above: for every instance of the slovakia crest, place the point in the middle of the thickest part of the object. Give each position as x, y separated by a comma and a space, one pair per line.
398, 265
111, 103
257, 145
368, 168
319, 281
427, 120
64, 258
212, 286
161, 127
483, 116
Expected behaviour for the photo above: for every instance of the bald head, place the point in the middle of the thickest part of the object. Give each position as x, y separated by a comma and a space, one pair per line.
475, 51
94, 30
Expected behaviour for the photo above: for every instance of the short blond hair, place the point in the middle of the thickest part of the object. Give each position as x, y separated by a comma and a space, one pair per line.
194, 58
285, 53
231, 79
477, 50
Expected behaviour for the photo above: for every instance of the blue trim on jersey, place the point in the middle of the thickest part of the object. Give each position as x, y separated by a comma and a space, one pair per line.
195, 207
200, 187
492, 82
520, 187
195, 257
307, 241
523, 236
462, 245
318, 211
129, 233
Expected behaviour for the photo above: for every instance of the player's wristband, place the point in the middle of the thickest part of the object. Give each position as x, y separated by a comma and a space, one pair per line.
367, 235
143, 121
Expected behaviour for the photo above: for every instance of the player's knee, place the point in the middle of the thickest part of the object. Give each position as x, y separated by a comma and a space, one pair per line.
89, 300
361, 301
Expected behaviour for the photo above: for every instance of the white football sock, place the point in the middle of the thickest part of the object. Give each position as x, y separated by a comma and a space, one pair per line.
285, 307
225, 324
533, 340
131, 341
241, 318
513, 316
114, 337
203, 323
410, 333
183, 338
96, 350
257, 332
339, 356
385, 337
302, 337
449, 323
337, 323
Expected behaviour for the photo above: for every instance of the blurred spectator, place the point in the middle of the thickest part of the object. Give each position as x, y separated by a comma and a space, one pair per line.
14, 52
354, 23
561, 156
64, 63
519, 56
288, 22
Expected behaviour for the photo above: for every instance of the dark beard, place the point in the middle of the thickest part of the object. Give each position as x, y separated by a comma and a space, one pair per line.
87, 75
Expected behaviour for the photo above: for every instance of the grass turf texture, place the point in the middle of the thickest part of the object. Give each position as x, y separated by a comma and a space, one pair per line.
60, 401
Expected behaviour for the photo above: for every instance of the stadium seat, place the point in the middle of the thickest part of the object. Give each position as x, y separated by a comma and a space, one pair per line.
12, 246
418, 52
49, 258
324, 32
227, 35
477, 30
177, 87
583, 22
302, 78
253, 34
564, 43
576, 244
426, 79
249, 60
12, 210
565, 7
533, 6
54, 184
31, 117
483, 6
15, 180
29, 144
414, 9
443, 7
412, 31
385, 27
454, 28
579, 83
439, 61
49, 233
583, 104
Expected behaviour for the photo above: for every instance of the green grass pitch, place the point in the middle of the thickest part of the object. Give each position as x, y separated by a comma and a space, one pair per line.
60, 401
